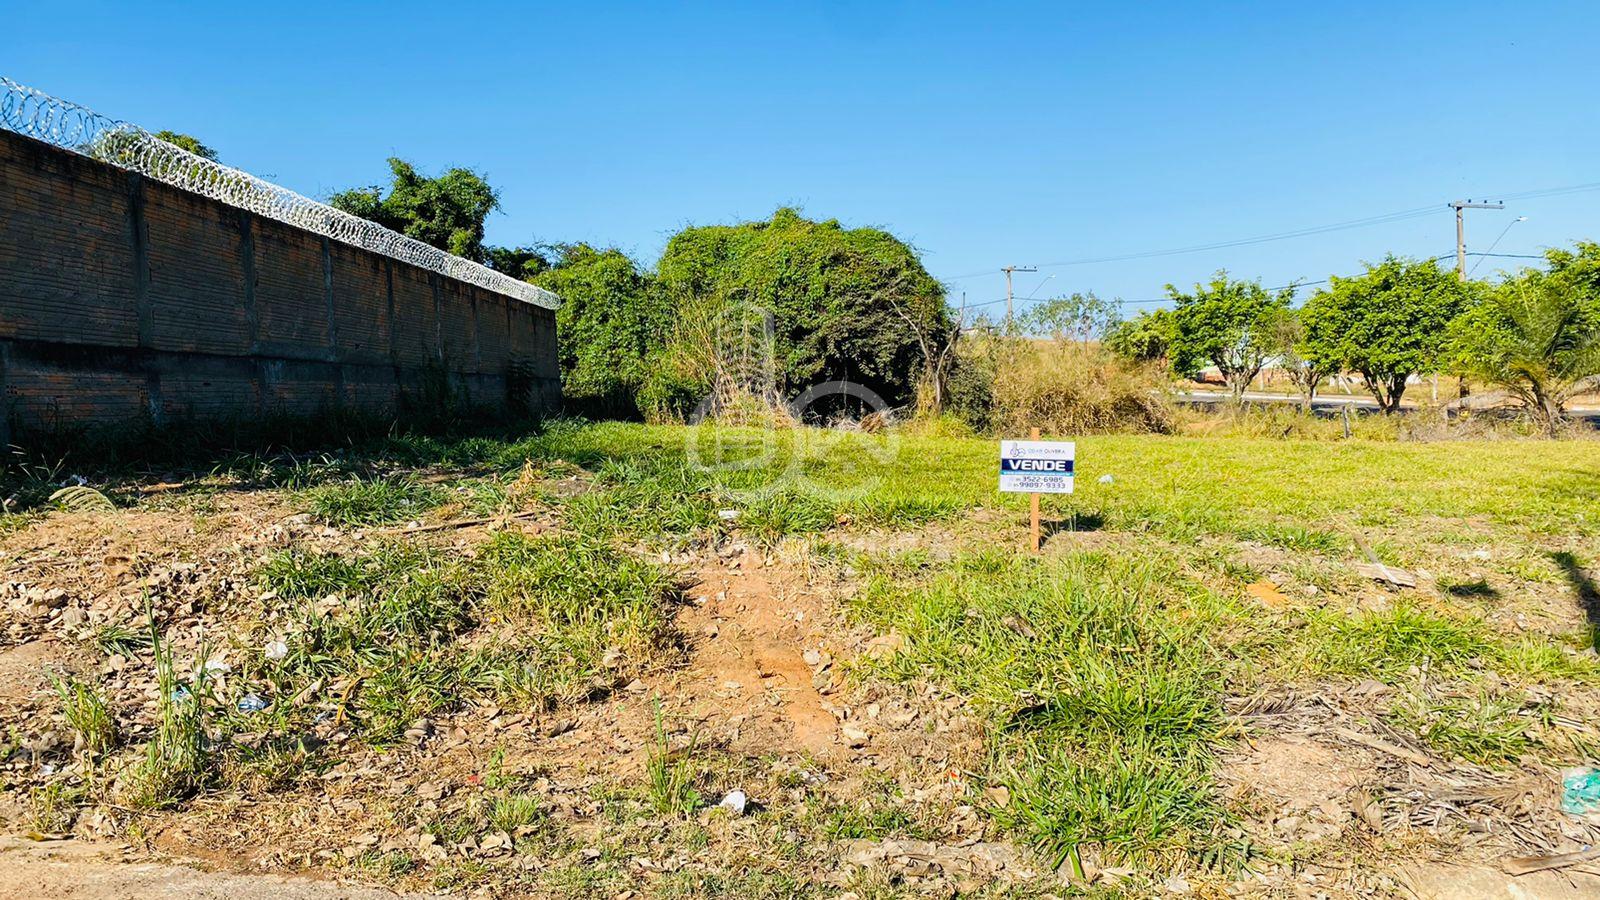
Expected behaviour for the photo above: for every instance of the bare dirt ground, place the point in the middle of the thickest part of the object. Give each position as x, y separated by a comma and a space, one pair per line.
80, 870
760, 681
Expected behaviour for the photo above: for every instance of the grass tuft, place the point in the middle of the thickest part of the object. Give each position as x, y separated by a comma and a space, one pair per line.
87, 715
1098, 681
671, 773
376, 501
176, 761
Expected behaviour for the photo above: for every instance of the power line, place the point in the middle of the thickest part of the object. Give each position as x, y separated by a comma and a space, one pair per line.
1143, 301
1382, 219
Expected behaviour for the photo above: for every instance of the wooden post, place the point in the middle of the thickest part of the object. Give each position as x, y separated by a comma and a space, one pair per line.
1033, 503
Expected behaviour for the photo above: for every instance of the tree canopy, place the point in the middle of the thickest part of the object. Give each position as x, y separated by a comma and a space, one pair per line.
1076, 317
612, 319
447, 211
836, 296
1538, 334
1388, 324
1146, 337
1228, 324
187, 142
526, 263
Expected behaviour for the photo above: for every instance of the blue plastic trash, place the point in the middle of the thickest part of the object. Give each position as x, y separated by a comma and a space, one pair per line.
1580, 791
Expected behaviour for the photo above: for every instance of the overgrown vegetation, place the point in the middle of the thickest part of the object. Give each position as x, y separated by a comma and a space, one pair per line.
1537, 335
761, 311
1099, 673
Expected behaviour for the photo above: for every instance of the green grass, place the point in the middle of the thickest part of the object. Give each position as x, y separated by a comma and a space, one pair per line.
1407, 637
1251, 488
119, 638
1099, 675
375, 501
671, 774
87, 714
393, 623
1100, 681
177, 759
1484, 729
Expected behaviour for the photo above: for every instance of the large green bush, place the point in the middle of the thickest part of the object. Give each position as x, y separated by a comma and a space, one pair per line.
611, 321
843, 303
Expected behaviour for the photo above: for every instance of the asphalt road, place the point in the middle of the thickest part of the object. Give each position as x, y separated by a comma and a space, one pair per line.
1332, 403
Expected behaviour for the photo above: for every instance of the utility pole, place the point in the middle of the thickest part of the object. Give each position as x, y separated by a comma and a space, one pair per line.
1461, 273
1461, 230
1008, 270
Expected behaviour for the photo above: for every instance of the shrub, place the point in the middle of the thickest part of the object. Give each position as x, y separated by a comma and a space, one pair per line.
1070, 388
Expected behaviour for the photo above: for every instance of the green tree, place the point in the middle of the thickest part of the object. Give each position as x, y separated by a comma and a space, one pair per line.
1227, 324
837, 298
1146, 337
187, 142
611, 321
447, 212
1388, 324
1075, 317
1306, 370
524, 263
1537, 335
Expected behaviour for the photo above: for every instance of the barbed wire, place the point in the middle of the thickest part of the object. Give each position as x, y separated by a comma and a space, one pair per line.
65, 124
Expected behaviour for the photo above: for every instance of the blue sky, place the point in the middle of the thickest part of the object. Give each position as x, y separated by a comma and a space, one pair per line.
985, 134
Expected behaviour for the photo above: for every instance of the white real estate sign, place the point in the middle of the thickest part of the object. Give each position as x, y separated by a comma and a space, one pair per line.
1037, 467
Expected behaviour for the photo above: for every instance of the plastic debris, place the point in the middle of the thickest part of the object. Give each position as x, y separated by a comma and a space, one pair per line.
735, 801
1106, 479
275, 650
1580, 791
727, 515
252, 703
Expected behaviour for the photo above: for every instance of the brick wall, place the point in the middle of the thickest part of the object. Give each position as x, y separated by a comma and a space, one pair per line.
121, 297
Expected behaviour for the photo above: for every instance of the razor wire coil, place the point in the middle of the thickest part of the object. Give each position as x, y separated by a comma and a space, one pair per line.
69, 126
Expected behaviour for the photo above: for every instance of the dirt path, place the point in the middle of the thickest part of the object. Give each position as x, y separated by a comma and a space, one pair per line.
59, 870
751, 629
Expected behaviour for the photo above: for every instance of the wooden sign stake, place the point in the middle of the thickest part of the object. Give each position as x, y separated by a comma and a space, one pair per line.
1033, 503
